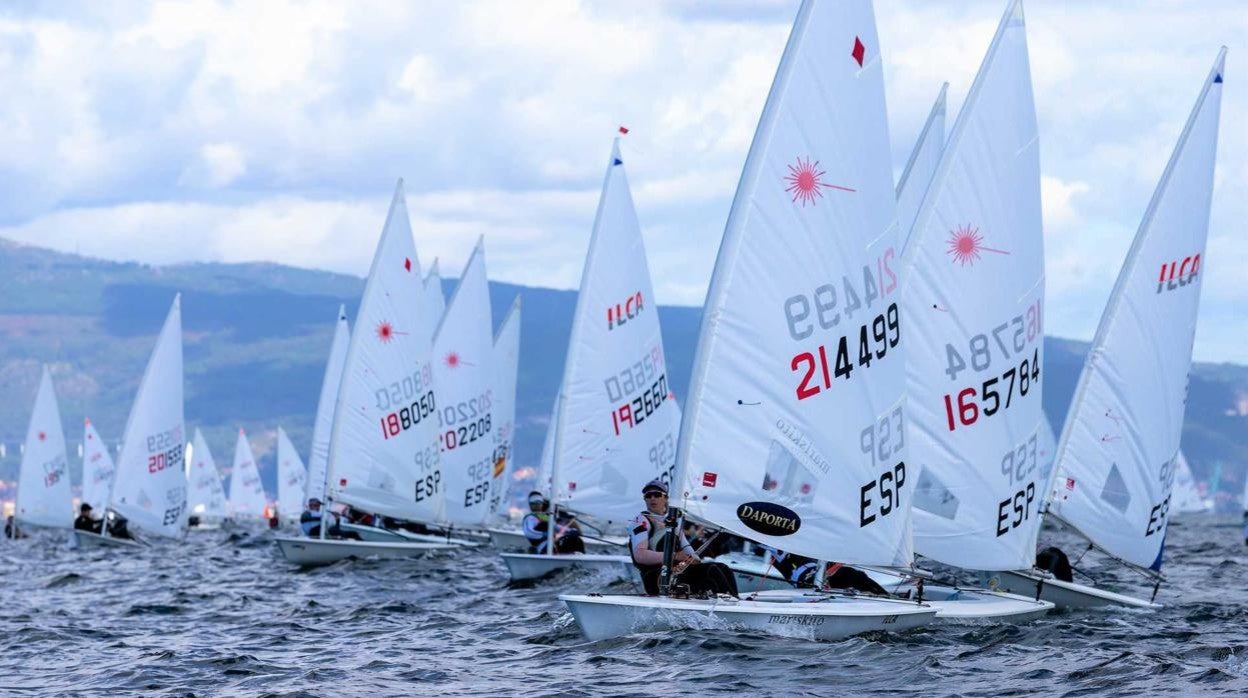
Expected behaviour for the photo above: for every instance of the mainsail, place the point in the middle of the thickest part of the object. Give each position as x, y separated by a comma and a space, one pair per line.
463, 370
793, 427
618, 419
291, 477
506, 372
97, 468
1118, 449
149, 488
206, 496
43, 494
433, 303
974, 289
920, 168
321, 429
247, 498
383, 452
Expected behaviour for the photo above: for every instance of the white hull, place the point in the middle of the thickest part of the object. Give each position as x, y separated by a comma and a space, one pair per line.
526, 566
952, 604
513, 541
87, 540
832, 618
372, 534
1065, 594
310, 552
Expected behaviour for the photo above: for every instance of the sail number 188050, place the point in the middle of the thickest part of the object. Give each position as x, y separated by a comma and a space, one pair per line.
407, 417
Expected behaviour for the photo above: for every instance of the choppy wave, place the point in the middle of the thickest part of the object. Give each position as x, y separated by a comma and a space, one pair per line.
221, 614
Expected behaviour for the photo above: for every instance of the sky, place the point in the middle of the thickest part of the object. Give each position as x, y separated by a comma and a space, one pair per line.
275, 131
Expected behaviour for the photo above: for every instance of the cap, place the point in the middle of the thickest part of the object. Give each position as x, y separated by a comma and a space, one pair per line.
536, 497
315, 501
654, 486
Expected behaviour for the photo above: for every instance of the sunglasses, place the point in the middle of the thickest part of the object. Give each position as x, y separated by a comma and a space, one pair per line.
653, 495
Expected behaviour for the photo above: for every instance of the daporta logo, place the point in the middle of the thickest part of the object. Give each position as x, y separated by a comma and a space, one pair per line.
621, 313
1178, 274
769, 518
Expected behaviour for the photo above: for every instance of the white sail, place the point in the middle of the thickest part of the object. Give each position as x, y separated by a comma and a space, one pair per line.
206, 496
774, 445
1121, 438
1186, 497
618, 420
291, 477
920, 168
247, 498
324, 425
506, 372
43, 493
149, 488
541, 481
97, 468
433, 303
383, 453
463, 370
974, 273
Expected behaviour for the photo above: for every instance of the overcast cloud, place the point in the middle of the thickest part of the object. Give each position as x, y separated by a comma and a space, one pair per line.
274, 131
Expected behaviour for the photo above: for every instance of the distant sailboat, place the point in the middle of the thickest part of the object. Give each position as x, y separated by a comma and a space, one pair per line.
206, 495
433, 303
97, 468
247, 499
1186, 497
800, 354
291, 479
1116, 458
324, 424
616, 423
506, 363
149, 488
384, 455
43, 492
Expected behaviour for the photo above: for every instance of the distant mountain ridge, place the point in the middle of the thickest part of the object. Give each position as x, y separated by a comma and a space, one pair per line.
257, 335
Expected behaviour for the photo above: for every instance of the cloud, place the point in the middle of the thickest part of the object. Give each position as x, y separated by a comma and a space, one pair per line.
205, 129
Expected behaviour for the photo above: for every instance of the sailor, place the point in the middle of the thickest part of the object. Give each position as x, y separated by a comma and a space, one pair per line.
801, 572
85, 522
647, 541
310, 519
1054, 561
10, 528
536, 526
118, 527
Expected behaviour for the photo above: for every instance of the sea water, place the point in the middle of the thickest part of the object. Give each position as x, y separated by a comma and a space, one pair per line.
222, 614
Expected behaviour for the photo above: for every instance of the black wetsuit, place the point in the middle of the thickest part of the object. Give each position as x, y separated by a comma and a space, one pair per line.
85, 523
702, 578
801, 572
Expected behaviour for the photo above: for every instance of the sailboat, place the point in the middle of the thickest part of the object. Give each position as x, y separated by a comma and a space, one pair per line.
616, 421
205, 494
1186, 498
43, 492
433, 302
97, 468
506, 361
291, 479
149, 487
247, 500
799, 354
1116, 457
463, 370
318, 458
384, 455
754, 568
973, 286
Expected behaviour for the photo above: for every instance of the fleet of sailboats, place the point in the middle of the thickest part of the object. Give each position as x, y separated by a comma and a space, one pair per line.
866, 388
